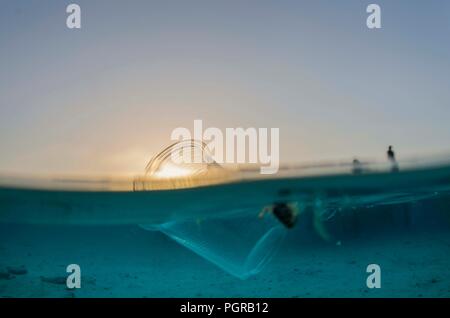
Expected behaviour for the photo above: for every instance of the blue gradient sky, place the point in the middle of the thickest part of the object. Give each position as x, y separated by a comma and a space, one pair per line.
105, 98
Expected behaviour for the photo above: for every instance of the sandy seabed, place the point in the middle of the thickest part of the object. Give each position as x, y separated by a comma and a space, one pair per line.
127, 261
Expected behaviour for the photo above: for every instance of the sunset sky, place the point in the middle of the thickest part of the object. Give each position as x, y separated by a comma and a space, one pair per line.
105, 98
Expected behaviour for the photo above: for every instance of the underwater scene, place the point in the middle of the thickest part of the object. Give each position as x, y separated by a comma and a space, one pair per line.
221, 244
198, 150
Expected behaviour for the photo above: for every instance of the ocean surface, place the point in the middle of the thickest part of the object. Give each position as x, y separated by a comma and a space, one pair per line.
215, 243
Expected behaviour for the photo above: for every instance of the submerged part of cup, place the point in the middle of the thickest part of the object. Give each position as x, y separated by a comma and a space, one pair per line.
240, 243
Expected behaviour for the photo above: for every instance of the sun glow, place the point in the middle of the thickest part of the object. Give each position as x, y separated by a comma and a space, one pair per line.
162, 173
172, 171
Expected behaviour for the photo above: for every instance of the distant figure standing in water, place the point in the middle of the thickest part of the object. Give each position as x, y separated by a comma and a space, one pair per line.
391, 158
357, 167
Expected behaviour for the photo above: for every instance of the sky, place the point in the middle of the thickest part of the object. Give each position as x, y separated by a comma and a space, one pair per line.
105, 98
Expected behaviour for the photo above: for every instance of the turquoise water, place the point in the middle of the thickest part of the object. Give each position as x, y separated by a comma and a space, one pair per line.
210, 242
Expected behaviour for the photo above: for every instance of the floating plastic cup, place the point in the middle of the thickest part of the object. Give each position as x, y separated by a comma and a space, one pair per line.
239, 242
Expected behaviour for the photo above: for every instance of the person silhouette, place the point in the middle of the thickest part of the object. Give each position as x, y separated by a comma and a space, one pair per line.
391, 158
357, 167
391, 154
